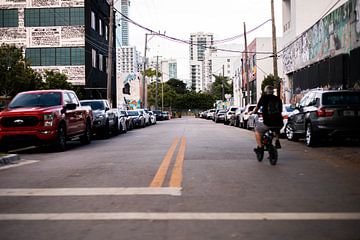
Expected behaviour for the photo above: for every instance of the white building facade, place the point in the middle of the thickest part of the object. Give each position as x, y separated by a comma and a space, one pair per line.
221, 61
199, 42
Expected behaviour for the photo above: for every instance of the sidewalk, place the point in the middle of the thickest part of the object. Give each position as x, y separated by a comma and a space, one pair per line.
9, 158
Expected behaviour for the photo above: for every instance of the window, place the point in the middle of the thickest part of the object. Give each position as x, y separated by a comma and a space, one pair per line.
33, 54
100, 27
47, 17
55, 56
93, 52
9, 18
77, 16
101, 64
73, 98
93, 20
77, 56
32, 17
48, 57
35, 17
67, 99
106, 32
62, 17
62, 56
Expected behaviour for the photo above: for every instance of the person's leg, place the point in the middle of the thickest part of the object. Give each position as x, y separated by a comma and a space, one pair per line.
258, 137
260, 129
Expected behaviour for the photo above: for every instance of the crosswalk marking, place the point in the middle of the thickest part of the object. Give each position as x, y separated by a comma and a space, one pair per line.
182, 216
10, 192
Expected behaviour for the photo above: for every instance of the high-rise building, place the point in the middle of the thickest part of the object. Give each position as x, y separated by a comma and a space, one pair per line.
220, 62
128, 60
122, 24
56, 36
168, 69
199, 42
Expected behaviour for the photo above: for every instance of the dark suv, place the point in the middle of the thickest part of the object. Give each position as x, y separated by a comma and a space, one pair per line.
325, 113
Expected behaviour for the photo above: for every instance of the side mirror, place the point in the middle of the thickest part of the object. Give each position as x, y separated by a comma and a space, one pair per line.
70, 106
107, 109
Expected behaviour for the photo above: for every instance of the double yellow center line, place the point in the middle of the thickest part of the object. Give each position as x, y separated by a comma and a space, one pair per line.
176, 176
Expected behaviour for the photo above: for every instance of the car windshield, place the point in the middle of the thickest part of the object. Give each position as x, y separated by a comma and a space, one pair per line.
95, 105
222, 111
47, 99
341, 98
133, 113
233, 109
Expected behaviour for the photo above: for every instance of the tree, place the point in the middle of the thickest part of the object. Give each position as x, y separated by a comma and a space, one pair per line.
270, 80
217, 87
178, 85
15, 72
56, 80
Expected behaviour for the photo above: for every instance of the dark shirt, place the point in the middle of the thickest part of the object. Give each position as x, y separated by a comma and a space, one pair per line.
271, 110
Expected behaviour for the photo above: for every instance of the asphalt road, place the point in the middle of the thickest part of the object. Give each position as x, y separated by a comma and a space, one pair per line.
182, 179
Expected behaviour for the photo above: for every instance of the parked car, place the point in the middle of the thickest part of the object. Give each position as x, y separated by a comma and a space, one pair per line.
105, 119
220, 116
210, 113
287, 111
45, 117
166, 115
138, 119
128, 119
146, 115
230, 111
121, 122
325, 114
152, 117
243, 119
159, 115
253, 119
235, 118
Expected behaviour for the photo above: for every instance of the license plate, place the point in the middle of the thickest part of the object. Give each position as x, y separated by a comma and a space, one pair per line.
349, 113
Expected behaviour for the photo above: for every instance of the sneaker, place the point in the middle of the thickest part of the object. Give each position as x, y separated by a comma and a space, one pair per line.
277, 144
258, 150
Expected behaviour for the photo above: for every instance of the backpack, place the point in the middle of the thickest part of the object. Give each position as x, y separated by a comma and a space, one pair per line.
273, 112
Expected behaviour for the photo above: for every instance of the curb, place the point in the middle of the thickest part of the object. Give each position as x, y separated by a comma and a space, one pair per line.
9, 159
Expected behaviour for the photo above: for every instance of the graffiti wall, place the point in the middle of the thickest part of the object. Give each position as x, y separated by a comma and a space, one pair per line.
337, 33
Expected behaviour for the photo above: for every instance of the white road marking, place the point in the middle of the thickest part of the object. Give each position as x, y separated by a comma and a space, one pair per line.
183, 216
18, 164
10, 192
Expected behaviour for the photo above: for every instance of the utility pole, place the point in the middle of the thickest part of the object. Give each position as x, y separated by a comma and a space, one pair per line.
246, 68
144, 79
275, 49
157, 81
223, 79
110, 51
162, 89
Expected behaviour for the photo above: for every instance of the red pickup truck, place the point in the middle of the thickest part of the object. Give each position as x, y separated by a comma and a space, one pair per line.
44, 117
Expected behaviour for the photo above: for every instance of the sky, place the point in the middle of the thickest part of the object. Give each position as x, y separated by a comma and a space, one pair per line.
180, 18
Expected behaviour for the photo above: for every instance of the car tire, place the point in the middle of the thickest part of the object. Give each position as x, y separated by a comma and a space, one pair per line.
60, 142
310, 138
106, 132
289, 132
86, 137
245, 125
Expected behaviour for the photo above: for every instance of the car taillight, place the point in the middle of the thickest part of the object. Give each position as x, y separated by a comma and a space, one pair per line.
323, 112
285, 117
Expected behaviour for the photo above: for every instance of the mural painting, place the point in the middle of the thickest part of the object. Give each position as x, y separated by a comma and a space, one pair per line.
328, 37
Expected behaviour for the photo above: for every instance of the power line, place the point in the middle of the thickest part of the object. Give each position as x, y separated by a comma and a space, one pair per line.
194, 44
